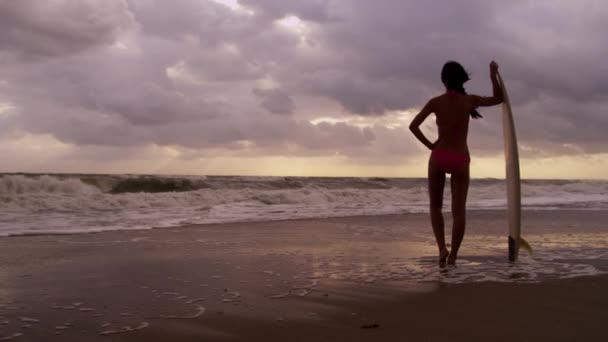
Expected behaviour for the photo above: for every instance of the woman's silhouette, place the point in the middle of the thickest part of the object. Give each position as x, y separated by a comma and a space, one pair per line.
450, 153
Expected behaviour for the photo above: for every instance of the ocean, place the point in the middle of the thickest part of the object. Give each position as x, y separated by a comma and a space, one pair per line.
69, 203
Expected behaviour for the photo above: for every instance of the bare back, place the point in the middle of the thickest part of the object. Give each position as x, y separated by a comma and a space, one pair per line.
452, 113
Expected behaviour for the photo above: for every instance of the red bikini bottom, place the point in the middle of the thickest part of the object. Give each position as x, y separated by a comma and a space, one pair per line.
450, 162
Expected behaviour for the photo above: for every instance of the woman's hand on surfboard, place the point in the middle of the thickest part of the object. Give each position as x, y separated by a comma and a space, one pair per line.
493, 68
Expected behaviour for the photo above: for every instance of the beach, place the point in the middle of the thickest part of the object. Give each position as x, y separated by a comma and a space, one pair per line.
362, 278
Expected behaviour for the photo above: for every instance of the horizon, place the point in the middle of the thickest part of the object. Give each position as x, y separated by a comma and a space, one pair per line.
323, 88
18, 173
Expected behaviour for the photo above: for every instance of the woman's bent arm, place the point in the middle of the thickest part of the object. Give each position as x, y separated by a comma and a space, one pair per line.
418, 120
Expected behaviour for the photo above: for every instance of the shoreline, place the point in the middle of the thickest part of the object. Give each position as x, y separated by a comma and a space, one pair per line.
500, 213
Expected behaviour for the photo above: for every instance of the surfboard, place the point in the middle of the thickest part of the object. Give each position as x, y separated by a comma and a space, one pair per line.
513, 180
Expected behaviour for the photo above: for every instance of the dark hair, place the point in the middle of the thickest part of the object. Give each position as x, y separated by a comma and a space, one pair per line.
454, 77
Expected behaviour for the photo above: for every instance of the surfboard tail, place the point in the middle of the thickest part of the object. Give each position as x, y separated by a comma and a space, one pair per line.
525, 245
512, 249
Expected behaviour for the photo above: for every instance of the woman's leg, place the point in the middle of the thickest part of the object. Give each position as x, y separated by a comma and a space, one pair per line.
436, 185
460, 188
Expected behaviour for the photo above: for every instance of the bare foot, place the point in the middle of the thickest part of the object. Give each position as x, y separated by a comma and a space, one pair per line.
443, 255
452, 259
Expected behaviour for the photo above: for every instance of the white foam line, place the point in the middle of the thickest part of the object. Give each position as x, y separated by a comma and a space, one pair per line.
303, 293
10, 338
191, 301
200, 311
87, 309
279, 296
126, 329
306, 287
29, 320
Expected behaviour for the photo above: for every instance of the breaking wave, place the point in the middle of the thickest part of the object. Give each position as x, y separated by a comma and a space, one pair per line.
33, 204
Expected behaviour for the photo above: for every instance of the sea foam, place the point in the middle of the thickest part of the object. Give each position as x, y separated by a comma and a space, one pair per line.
44, 204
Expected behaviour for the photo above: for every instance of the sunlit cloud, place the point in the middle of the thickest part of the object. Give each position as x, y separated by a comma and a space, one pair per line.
295, 25
235, 6
120, 45
179, 73
6, 107
232, 4
392, 120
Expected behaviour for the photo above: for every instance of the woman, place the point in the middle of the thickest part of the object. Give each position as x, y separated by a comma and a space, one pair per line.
450, 153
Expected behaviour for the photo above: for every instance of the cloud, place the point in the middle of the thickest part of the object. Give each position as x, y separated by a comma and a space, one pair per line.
37, 29
276, 101
312, 10
198, 75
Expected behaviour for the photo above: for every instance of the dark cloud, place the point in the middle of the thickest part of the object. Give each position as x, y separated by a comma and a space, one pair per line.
199, 75
276, 101
211, 23
36, 29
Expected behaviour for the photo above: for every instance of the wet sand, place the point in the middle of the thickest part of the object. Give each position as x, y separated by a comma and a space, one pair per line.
303, 280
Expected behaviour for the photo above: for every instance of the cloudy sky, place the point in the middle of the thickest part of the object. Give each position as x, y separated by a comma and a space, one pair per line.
293, 87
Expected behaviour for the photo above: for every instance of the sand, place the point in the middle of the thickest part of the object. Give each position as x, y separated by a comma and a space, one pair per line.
337, 279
